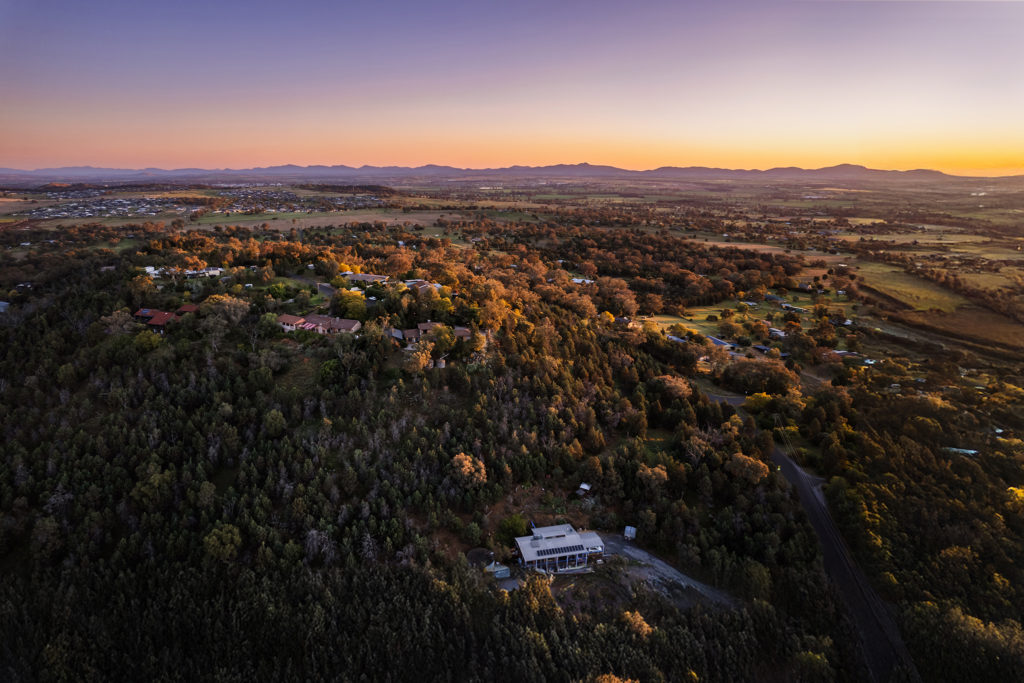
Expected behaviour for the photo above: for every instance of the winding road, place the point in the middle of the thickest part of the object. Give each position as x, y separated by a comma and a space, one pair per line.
880, 637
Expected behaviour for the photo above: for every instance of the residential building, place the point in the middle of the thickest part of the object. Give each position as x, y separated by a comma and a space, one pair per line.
368, 278
559, 548
322, 324
289, 323
156, 320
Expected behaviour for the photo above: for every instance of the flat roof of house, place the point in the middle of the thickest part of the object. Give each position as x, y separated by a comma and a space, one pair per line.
555, 541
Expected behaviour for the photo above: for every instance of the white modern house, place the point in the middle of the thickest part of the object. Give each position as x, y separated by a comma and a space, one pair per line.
559, 548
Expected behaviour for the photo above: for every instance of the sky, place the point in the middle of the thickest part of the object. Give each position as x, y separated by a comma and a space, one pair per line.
631, 83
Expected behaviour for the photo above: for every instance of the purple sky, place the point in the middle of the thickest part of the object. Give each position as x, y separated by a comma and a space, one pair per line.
636, 84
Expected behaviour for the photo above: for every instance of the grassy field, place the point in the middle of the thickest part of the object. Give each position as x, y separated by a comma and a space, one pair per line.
697, 320
1004, 278
908, 289
973, 323
237, 218
719, 241
510, 216
284, 221
994, 251
279, 221
666, 321
121, 246
928, 238
10, 205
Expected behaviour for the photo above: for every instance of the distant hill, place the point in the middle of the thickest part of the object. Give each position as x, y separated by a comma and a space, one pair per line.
292, 173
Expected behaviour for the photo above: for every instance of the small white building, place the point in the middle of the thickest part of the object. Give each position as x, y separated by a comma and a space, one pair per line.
499, 570
559, 548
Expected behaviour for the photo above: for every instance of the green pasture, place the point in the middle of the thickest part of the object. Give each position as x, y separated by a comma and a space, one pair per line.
909, 289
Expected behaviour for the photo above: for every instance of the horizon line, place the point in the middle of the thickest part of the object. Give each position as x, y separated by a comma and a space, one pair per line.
976, 174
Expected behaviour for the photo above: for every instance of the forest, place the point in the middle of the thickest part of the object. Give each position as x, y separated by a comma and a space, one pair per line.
221, 499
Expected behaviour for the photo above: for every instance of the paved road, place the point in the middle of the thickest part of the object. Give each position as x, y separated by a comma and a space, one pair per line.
662, 575
734, 400
880, 637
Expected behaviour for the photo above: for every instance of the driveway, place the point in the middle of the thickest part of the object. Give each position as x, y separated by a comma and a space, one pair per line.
662, 576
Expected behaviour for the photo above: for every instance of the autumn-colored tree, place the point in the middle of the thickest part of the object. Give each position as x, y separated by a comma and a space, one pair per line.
748, 468
141, 288
229, 308
469, 470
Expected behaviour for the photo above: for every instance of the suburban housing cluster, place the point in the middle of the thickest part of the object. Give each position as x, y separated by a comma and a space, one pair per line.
211, 271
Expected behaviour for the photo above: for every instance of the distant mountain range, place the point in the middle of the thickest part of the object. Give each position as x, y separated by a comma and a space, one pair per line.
291, 172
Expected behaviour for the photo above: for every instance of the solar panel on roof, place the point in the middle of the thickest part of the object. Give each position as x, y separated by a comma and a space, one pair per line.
559, 551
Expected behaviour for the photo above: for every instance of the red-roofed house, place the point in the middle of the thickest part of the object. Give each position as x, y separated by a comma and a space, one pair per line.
160, 320
322, 324
290, 322
157, 320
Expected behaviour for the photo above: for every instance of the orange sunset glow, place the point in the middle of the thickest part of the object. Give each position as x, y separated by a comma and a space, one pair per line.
831, 82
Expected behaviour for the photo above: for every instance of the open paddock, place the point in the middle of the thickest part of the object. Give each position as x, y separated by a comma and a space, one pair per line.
1003, 250
697, 320
9, 205
286, 221
1004, 278
725, 243
910, 290
927, 238
972, 323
